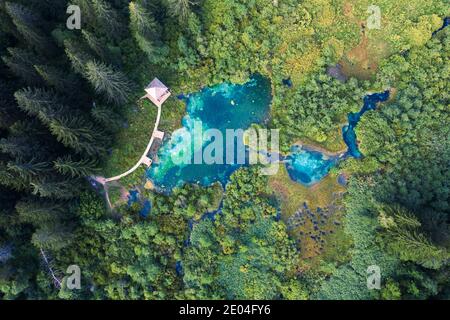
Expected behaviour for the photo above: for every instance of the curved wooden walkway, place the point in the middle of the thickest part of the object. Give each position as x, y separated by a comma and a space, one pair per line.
142, 160
144, 156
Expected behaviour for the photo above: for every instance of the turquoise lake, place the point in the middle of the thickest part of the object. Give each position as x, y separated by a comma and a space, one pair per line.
235, 106
224, 106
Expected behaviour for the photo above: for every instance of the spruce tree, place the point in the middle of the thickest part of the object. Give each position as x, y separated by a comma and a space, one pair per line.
38, 102
52, 238
40, 212
95, 44
56, 188
144, 28
113, 85
108, 19
28, 25
21, 63
9, 112
15, 146
404, 237
70, 128
12, 179
29, 169
77, 56
55, 78
181, 8
81, 168
106, 117
78, 134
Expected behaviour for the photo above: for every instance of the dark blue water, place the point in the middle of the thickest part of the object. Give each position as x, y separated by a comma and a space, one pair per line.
179, 268
133, 197
145, 211
349, 134
342, 180
370, 103
444, 25
309, 167
212, 215
287, 83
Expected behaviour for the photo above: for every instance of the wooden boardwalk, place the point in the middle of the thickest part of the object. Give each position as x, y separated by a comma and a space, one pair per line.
144, 158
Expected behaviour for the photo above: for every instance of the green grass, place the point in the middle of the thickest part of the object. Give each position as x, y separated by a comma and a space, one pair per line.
292, 196
173, 111
130, 143
136, 179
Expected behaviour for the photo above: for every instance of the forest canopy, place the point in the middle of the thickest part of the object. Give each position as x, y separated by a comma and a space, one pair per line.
70, 110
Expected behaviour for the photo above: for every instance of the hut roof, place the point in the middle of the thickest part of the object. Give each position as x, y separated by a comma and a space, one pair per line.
156, 89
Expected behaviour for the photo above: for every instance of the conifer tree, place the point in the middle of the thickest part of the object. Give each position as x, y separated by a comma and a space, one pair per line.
38, 102
15, 146
109, 119
95, 44
404, 238
28, 25
52, 237
107, 18
62, 82
69, 128
78, 134
181, 8
21, 63
144, 29
28, 169
56, 188
9, 112
81, 168
87, 12
113, 85
12, 179
40, 212
77, 56
6, 25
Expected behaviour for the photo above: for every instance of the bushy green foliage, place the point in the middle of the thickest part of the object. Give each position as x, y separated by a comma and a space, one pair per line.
245, 253
406, 138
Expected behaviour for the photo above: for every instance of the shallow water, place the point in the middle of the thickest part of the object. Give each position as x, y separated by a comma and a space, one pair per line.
308, 166
232, 106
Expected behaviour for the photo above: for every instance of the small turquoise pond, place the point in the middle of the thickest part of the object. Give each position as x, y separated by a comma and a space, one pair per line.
308, 166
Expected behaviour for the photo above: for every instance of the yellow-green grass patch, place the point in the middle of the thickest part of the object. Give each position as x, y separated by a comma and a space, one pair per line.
325, 196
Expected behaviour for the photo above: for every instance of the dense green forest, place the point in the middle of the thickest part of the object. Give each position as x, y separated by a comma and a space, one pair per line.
69, 103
